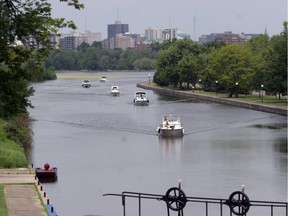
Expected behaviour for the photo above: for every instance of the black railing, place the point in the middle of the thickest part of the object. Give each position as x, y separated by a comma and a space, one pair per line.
238, 203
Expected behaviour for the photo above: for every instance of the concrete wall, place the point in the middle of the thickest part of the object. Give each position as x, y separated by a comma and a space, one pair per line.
229, 101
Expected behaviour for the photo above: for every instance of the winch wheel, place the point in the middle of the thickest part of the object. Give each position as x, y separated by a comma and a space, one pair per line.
175, 199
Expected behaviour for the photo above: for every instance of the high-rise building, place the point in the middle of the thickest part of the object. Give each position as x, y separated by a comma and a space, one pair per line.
153, 34
117, 28
169, 34
74, 39
123, 42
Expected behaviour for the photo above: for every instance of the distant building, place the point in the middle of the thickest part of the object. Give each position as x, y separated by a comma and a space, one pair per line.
68, 42
117, 28
227, 37
183, 35
135, 38
153, 34
123, 42
169, 34
74, 39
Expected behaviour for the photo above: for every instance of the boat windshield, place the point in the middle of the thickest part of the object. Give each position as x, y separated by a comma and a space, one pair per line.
171, 118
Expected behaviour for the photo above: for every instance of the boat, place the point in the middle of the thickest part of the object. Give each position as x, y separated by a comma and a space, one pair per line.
115, 91
170, 126
140, 98
47, 173
103, 79
86, 84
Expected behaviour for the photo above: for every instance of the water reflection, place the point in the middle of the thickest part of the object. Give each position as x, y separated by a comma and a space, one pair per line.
171, 145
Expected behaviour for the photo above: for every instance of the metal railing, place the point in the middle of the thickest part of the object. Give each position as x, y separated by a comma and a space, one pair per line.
238, 203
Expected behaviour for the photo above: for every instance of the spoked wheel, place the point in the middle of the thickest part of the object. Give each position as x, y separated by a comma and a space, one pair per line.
175, 199
239, 203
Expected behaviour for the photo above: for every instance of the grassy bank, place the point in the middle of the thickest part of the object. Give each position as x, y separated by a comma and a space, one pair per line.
3, 207
14, 135
269, 100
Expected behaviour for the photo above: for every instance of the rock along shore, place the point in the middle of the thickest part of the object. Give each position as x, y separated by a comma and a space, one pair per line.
228, 101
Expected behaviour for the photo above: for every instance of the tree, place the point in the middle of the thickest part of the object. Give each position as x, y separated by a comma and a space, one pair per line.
277, 64
188, 69
233, 67
174, 60
26, 28
259, 45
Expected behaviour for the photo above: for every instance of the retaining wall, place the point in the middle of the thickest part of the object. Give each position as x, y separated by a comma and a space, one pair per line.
228, 101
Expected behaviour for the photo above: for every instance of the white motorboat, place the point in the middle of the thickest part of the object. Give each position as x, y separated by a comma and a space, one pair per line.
170, 126
86, 84
141, 98
103, 79
115, 91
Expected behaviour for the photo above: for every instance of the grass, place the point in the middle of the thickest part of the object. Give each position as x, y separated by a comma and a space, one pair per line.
269, 100
41, 200
3, 207
11, 153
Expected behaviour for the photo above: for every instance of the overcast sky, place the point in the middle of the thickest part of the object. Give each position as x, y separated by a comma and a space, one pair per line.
212, 16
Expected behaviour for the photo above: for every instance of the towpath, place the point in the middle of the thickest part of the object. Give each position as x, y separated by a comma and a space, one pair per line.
24, 195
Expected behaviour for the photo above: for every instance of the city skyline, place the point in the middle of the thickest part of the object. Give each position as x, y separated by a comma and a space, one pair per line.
196, 18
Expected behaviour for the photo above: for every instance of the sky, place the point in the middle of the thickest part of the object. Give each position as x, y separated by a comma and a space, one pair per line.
194, 17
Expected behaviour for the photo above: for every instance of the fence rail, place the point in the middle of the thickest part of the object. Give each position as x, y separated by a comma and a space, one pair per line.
176, 200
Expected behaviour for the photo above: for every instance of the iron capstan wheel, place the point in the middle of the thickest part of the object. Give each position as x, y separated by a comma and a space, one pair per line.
239, 203
175, 199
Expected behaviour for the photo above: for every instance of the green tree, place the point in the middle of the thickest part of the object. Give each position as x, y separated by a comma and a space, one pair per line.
277, 64
91, 59
173, 62
144, 64
259, 45
30, 22
232, 68
188, 69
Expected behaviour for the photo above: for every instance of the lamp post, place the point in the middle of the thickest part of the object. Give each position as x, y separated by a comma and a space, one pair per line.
262, 86
149, 78
199, 85
216, 84
236, 91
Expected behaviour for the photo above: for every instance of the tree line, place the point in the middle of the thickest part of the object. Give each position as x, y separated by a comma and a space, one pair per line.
260, 64
94, 58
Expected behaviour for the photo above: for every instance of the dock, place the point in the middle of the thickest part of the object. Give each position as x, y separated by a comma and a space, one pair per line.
24, 194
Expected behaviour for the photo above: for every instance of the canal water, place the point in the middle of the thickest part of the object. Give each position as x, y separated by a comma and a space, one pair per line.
104, 144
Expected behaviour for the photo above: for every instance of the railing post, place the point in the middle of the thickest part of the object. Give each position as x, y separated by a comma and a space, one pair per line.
139, 204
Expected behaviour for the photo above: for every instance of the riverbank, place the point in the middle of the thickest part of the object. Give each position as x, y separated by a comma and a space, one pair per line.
216, 99
23, 194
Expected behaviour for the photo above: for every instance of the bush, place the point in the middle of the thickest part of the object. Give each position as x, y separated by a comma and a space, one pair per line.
14, 134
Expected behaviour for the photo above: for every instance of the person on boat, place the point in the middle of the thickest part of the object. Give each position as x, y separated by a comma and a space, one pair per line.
46, 166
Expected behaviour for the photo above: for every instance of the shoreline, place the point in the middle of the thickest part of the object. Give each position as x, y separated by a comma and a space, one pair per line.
228, 101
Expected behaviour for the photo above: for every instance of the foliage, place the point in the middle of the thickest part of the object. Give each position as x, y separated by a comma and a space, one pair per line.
26, 28
178, 62
276, 77
17, 129
232, 68
93, 57
272, 56
11, 154
229, 68
14, 92
3, 207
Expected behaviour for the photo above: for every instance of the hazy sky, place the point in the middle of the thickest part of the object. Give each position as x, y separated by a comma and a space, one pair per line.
212, 16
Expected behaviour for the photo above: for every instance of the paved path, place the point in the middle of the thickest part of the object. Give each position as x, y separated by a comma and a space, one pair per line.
21, 192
